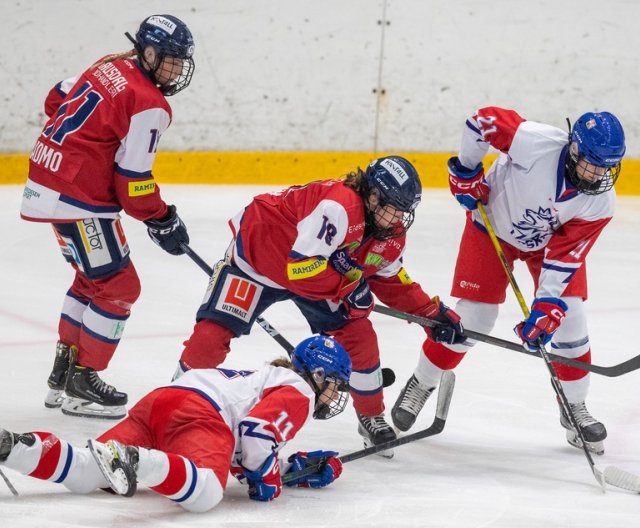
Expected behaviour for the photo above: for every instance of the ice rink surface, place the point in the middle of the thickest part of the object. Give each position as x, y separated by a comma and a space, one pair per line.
502, 460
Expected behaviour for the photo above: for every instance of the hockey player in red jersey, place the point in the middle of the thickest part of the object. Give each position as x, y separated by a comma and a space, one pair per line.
92, 160
548, 197
183, 439
328, 246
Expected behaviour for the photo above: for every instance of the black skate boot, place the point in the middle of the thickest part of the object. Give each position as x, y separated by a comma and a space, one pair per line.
88, 395
409, 403
58, 376
119, 465
593, 431
8, 440
375, 430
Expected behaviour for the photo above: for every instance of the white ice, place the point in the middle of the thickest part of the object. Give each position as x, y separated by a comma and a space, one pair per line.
502, 460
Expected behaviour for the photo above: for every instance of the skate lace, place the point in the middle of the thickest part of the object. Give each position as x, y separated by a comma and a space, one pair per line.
581, 414
415, 396
99, 384
375, 424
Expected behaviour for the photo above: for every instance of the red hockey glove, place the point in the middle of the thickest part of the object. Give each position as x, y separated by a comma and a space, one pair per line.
546, 315
358, 303
329, 470
467, 185
450, 331
265, 483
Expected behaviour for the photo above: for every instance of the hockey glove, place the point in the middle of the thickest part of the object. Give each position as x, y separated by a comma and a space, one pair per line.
342, 262
168, 232
329, 469
450, 331
467, 185
265, 483
358, 303
546, 315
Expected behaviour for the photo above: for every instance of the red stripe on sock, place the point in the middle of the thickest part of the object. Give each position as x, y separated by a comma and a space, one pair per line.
567, 373
176, 477
441, 356
49, 457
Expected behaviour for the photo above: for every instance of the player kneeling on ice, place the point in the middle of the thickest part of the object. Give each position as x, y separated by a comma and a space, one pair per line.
92, 160
182, 440
548, 197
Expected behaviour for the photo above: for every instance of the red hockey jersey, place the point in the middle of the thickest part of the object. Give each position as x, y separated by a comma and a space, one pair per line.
95, 153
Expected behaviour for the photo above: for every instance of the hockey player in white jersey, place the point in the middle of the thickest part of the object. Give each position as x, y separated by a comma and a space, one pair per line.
548, 197
182, 440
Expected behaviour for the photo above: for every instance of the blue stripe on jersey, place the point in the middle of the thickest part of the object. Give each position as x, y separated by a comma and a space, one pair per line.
472, 127
569, 271
250, 431
132, 174
67, 465
194, 480
88, 207
197, 391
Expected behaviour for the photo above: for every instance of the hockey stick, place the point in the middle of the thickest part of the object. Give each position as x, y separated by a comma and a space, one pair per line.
613, 371
611, 475
388, 376
445, 392
8, 483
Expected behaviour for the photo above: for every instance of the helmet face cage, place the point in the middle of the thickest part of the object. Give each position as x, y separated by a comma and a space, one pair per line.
326, 366
393, 181
596, 142
590, 183
332, 394
173, 44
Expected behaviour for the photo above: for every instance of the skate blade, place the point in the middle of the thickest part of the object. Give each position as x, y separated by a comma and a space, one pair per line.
387, 453
116, 478
87, 409
596, 448
54, 399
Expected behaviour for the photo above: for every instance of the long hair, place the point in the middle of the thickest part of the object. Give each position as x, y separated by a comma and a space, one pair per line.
114, 57
282, 362
355, 180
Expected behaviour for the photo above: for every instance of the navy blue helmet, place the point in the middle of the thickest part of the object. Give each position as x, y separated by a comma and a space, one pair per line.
323, 362
395, 182
169, 37
597, 138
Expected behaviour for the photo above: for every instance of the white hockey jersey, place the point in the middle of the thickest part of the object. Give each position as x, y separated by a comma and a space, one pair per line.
263, 408
531, 204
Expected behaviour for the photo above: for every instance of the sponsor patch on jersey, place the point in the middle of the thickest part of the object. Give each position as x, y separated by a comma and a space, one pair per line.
239, 297
140, 188
396, 170
404, 277
373, 259
121, 241
95, 244
306, 268
69, 250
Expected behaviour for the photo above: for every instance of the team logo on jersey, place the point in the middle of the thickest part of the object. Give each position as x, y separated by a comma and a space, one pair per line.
535, 228
306, 268
239, 297
140, 188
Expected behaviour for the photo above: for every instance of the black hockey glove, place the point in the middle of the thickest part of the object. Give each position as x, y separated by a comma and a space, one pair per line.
168, 232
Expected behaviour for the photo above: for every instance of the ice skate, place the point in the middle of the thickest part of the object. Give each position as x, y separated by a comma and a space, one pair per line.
375, 430
593, 431
58, 376
90, 396
409, 403
118, 463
